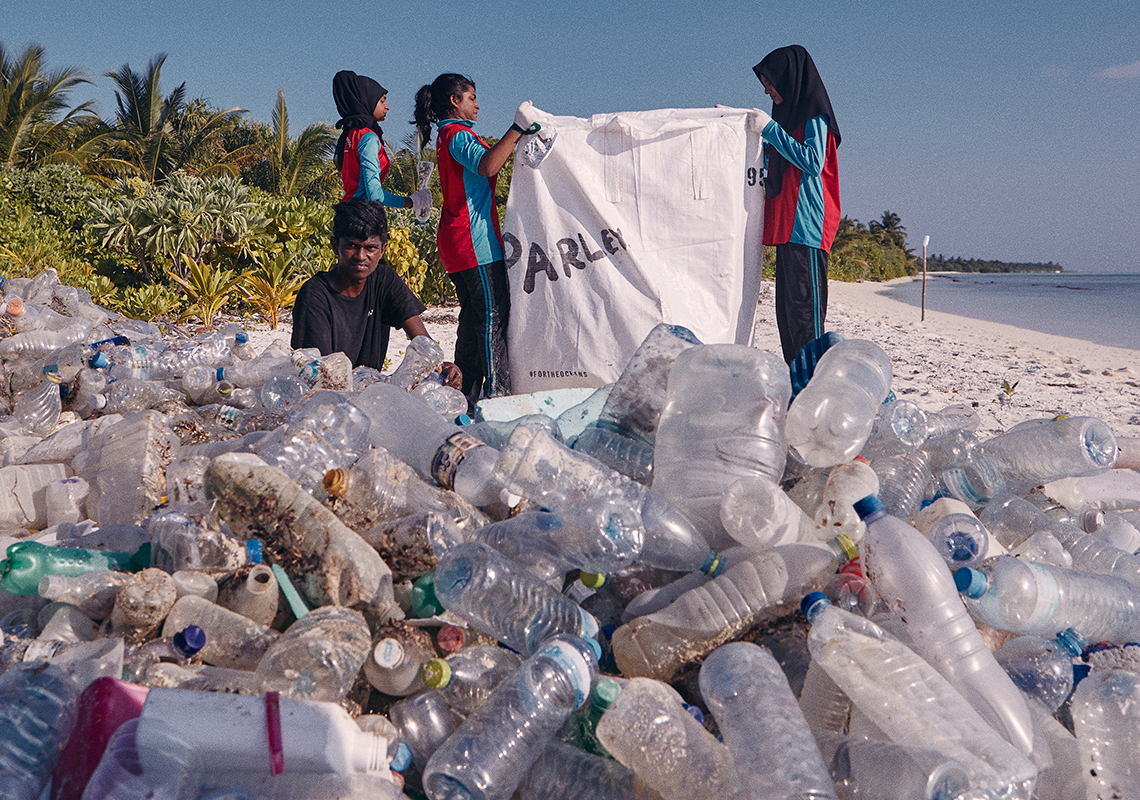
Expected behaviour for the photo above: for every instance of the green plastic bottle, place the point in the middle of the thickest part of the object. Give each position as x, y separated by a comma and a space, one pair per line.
581, 728
29, 562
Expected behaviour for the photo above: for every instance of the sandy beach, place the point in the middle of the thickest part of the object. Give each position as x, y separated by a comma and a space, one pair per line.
943, 360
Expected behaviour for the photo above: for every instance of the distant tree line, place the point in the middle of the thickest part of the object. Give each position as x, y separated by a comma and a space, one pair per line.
939, 263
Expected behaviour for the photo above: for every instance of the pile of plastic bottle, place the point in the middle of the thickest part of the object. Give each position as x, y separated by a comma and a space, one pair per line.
238, 575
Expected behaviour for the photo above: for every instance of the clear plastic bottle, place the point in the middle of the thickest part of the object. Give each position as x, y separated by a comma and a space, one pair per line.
447, 401
1031, 454
899, 427
762, 725
496, 432
873, 768
1043, 668
318, 656
961, 540
435, 448
505, 600
178, 649
912, 579
422, 357
649, 731
756, 512
252, 592
1106, 720
537, 466
1014, 520
39, 343
830, 420
488, 755
232, 641
255, 372
119, 775
655, 645
909, 700
723, 420
563, 772
845, 484
38, 409
1025, 597
34, 317
132, 361
393, 667
623, 435
37, 714
141, 604
904, 482
577, 418
280, 394
424, 721
826, 707
128, 395
467, 678
202, 384
93, 592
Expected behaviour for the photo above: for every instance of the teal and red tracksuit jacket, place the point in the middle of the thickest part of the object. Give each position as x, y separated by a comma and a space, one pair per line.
364, 167
806, 211
469, 235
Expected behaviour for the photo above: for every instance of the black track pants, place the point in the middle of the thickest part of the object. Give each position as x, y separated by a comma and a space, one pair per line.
481, 339
801, 295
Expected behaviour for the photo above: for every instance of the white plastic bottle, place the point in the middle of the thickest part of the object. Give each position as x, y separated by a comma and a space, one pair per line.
1037, 452
830, 420
723, 420
765, 730
487, 756
913, 580
1106, 720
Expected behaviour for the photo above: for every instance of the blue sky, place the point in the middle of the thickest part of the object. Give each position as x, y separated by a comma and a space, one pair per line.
1003, 130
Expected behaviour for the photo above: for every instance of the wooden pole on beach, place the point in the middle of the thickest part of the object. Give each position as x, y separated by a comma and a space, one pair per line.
925, 242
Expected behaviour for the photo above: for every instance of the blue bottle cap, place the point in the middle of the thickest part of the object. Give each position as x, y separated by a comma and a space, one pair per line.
1072, 641
463, 419
241, 337
99, 360
812, 603
403, 758
597, 648
971, 582
695, 712
868, 506
189, 640
714, 564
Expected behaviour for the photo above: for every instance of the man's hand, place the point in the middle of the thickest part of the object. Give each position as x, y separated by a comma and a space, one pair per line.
452, 375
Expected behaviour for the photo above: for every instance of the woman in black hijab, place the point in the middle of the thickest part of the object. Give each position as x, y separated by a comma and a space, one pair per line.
362, 104
802, 211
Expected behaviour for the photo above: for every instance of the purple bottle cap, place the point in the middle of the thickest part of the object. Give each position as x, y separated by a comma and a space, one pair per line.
190, 640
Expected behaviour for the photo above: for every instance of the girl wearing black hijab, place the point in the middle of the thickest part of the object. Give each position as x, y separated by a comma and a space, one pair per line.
802, 213
362, 104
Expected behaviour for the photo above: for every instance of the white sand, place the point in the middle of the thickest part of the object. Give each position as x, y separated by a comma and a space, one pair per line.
943, 360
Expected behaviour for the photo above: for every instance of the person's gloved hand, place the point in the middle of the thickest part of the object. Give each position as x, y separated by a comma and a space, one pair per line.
421, 199
526, 119
758, 120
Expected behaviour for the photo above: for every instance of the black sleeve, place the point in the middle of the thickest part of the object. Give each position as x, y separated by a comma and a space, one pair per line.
312, 319
398, 301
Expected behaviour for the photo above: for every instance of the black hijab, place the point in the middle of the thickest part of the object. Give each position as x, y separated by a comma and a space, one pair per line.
792, 73
356, 97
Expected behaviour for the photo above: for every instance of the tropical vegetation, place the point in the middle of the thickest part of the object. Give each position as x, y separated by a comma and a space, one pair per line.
174, 208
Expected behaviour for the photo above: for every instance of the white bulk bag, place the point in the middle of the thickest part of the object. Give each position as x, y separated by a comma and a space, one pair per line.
632, 219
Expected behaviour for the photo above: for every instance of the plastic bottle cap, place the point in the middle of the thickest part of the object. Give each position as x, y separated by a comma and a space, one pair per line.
450, 638
253, 551
99, 360
436, 673
714, 564
388, 653
868, 506
403, 758
241, 337
1072, 641
812, 603
971, 582
592, 580
596, 647
190, 640
15, 307
605, 693
463, 419
695, 712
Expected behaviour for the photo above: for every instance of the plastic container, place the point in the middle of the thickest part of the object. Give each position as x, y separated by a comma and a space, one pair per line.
845, 484
538, 467
29, 562
1117, 488
826, 708
37, 715
93, 592
913, 580
830, 420
1037, 452
904, 482
255, 372
1024, 597
657, 644
563, 772
622, 435
909, 701
424, 721
772, 746
756, 512
488, 755
39, 408
723, 420
873, 768
581, 729
1043, 668
128, 394
961, 540
502, 599
900, 427
254, 594
141, 604
281, 394
1106, 721
422, 356
466, 678
118, 775
228, 735
649, 731
232, 640
318, 657
393, 667
177, 649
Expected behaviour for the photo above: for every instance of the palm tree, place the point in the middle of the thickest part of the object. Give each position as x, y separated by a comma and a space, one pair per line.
30, 103
890, 226
296, 164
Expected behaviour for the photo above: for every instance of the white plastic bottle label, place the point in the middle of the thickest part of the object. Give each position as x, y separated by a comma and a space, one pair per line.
450, 455
575, 667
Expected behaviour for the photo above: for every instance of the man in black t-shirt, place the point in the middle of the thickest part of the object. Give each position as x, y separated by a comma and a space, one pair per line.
351, 308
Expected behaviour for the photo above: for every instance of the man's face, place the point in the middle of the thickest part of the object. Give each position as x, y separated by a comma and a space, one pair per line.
357, 259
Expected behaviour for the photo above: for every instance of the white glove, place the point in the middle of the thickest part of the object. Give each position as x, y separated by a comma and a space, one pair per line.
758, 120
421, 199
526, 118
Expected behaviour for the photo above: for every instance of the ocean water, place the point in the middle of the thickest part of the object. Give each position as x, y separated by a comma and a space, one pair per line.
1098, 308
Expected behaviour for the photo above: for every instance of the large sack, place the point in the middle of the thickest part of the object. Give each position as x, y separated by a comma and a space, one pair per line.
632, 219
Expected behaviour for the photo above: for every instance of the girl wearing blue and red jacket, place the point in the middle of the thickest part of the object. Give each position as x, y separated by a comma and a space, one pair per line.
802, 213
360, 156
469, 240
